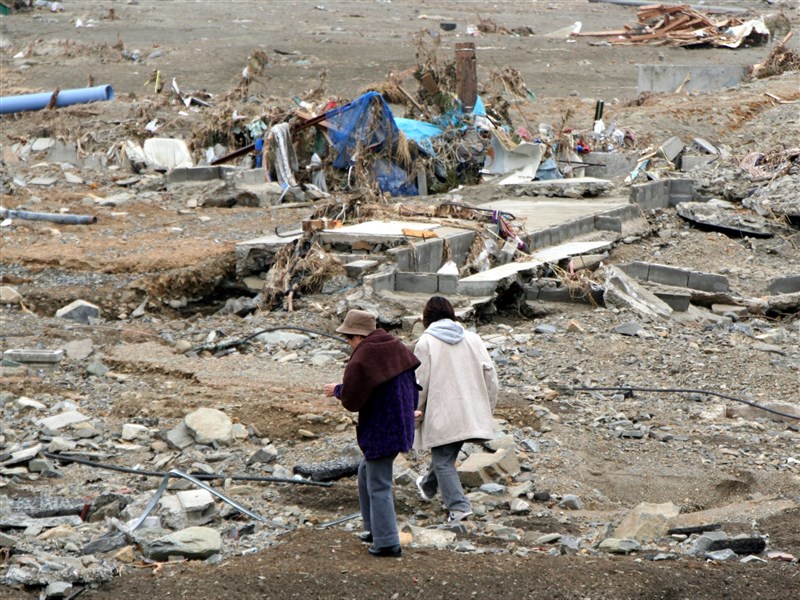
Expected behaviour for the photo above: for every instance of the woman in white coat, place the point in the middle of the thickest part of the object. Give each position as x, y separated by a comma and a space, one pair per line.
458, 396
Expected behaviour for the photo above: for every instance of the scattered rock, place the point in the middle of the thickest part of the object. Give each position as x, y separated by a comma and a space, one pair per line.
210, 426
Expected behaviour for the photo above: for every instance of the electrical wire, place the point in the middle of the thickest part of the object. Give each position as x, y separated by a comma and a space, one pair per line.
631, 389
202, 476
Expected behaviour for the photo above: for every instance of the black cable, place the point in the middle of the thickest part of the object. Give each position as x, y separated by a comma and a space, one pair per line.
202, 476
683, 391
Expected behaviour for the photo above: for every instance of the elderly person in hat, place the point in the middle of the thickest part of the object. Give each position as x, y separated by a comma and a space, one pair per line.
459, 393
380, 384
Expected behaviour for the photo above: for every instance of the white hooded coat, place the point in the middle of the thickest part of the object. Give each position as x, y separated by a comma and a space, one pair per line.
459, 386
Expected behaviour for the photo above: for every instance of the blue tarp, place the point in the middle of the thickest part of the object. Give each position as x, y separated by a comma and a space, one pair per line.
420, 132
359, 123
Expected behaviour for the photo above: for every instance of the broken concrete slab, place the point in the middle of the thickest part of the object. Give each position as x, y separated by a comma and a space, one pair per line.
258, 254
549, 222
576, 187
692, 78
568, 250
65, 419
623, 292
723, 216
486, 282
20, 521
374, 232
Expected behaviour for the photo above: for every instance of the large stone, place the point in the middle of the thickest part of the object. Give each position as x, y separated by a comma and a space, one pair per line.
209, 426
482, 467
193, 542
435, 538
79, 349
618, 546
179, 437
198, 506
80, 311
648, 521
8, 295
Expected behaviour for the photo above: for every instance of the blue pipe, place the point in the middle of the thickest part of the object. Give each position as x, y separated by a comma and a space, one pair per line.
12, 104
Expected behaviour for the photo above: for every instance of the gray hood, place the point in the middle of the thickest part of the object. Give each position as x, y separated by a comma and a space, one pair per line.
446, 330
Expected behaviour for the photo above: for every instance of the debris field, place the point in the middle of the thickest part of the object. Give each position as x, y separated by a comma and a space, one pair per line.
608, 192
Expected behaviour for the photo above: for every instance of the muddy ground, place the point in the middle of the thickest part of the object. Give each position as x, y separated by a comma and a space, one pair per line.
155, 250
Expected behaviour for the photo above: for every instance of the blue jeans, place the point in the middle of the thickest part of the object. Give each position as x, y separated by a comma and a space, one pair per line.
442, 476
376, 500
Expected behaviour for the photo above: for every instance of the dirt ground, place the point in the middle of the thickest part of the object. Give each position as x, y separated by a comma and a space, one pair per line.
156, 251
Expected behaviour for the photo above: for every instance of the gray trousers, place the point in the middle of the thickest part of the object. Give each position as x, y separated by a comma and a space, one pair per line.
442, 476
376, 500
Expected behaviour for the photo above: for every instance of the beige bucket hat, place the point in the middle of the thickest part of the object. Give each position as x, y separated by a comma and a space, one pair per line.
357, 322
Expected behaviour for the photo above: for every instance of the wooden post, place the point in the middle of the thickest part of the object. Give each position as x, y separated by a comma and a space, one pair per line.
466, 75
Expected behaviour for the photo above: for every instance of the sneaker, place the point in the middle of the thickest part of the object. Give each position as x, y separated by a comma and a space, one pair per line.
388, 551
365, 536
456, 516
422, 493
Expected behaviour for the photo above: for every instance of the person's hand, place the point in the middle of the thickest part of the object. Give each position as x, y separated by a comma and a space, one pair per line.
418, 414
329, 389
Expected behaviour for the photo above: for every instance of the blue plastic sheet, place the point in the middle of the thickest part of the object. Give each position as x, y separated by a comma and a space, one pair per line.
420, 132
360, 122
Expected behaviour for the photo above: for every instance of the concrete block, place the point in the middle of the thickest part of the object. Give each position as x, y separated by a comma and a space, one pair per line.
448, 284
403, 257
612, 164
677, 301
482, 467
34, 356
708, 282
681, 187
427, 256
672, 149
651, 195
380, 281
418, 283
668, 275
193, 174
693, 162
606, 223
459, 243
357, 268
476, 288
785, 285
637, 270
703, 78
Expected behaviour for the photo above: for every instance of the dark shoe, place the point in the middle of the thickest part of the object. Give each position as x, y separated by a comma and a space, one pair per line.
422, 494
390, 551
365, 536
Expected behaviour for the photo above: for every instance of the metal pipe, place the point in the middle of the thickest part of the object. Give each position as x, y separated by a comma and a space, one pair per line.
97, 465
176, 473
51, 217
12, 104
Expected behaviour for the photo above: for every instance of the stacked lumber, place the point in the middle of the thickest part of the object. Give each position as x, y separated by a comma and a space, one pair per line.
672, 25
